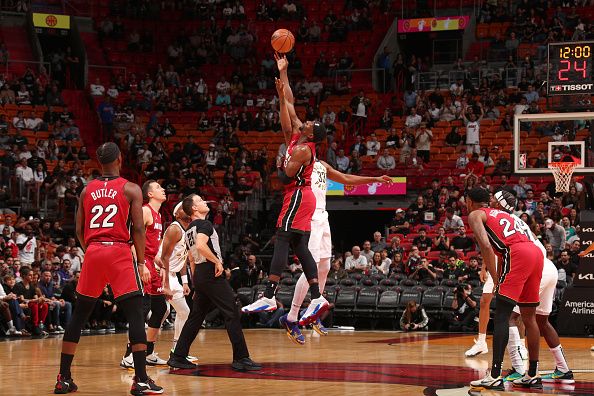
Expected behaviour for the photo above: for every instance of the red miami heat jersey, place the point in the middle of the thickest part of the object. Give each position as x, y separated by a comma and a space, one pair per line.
303, 176
106, 210
153, 234
504, 230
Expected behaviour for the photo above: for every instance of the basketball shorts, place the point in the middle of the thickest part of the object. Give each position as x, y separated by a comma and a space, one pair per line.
320, 239
155, 286
175, 286
109, 263
548, 284
520, 272
298, 208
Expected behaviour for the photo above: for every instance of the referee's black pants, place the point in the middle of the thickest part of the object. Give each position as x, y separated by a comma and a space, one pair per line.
212, 292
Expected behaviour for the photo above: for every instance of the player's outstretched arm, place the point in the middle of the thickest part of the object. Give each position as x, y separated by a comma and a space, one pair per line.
285, 120
301, 156
80, 220
283, 64
134, 195
354, 180
476, 220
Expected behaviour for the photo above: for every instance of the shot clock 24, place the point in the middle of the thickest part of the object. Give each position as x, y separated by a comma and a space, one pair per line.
570, 68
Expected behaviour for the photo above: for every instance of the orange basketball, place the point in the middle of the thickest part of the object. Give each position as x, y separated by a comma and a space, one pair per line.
282, 41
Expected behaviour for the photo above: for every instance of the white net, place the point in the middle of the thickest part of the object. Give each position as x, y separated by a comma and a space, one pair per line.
562, 171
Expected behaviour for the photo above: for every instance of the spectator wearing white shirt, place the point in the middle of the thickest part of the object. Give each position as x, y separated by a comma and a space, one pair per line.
521, 107
223, 86
97, 89
473, 130
24, 172
329, 117
33, 122
76, 258
356, 262
27, 244
452, 222
18, 121
413, 120
342, 161
423, 138
521, 188
144, 154
373, 146
462, 160
386, 161
112, 92
212, 156
457, 88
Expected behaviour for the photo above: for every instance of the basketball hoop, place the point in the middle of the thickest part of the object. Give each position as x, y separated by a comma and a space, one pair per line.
562, 172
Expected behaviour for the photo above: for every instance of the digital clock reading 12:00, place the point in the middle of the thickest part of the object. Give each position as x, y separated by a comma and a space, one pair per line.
570, 68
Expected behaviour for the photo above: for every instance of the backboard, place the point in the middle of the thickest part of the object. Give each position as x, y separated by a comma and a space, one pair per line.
551, 137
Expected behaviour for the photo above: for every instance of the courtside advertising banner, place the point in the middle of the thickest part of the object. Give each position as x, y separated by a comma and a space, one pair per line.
51, 21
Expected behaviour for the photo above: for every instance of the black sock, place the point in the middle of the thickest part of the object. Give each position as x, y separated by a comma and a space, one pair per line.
140, 365
496, 370
65, 363
532, 368
128, 350
150, 348
314, 289
271, 287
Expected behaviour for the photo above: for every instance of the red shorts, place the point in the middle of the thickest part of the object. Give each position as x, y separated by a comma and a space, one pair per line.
109, 263
155, 287
298, 208
520, 274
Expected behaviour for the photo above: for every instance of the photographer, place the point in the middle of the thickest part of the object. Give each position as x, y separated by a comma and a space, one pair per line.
414, 318
465, 310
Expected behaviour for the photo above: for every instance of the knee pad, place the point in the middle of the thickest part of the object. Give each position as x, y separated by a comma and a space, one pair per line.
159, 311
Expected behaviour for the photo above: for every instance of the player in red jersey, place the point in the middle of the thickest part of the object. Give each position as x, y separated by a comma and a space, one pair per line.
518, 282
157, 289
104, 208
299, 202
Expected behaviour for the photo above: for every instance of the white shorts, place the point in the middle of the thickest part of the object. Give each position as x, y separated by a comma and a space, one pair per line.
320, 239
175, 286
548, 284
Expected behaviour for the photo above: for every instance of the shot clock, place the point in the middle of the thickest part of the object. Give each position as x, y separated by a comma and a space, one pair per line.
570, 68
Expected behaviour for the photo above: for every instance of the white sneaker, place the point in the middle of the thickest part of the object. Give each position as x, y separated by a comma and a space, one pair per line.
523, 352
189, 358
14, 332
316, 308
529, 382
478, 348
60, 329
127, 362
488, 383
263, 304
154, 360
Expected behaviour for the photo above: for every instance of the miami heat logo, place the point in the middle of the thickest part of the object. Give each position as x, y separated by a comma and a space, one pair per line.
51, 20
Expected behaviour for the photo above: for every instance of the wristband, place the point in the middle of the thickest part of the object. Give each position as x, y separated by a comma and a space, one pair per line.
184, 278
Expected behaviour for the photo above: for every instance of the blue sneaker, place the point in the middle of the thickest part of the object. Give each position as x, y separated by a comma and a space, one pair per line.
559, 376
319, 328
512, 375
316, 308
292, 329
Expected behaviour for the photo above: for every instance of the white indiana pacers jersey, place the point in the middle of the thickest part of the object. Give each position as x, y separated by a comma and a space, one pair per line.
180, 251
319, 186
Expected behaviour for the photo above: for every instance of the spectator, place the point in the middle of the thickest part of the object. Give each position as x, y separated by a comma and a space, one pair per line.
453, 138
337, 272
555, 235
503, 166
30, 296
441, 242
521, 188
331, 158
465, 310
356, 262
531, 95
462, 161
485, 158
48, 291
473, 126
360, 106
378, 244
342, 161
422, 242
399, 224
452, 222
243, 190
373, 146
413, 120
414, 160
414, 318
424, 271
453, 272
97, 89
471, 274
359, 146
423, 139
106, 115
367, 252
475, 167
566, 264
386, 162
462, 241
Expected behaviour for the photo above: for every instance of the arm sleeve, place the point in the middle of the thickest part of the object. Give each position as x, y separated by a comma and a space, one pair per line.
425, 320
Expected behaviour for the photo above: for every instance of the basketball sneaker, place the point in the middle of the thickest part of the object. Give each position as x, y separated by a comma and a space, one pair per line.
145, 388
64, 385
529, 382
127, 362
180, 363
316, 308
292, 329
263, 304
319, 328
154, 360
478, 348
488, 383
189, 358
245, 364
512, 375
559, 377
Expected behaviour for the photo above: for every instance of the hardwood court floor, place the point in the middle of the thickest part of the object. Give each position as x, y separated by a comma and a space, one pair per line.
342, 363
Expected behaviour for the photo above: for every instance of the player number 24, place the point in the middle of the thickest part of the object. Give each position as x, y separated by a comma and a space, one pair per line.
98, 210
518, 226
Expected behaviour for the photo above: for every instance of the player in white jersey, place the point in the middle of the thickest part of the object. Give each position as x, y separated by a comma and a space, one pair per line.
505, 200
320, 242
173, 249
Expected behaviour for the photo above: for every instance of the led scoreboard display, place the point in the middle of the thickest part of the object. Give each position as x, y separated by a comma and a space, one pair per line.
570, 68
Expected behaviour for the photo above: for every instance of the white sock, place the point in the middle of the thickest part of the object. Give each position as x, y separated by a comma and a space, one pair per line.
482, 337
560, 358
300, 292
512, 349
10, 324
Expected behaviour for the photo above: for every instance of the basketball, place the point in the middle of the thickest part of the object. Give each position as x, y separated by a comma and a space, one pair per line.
282, 41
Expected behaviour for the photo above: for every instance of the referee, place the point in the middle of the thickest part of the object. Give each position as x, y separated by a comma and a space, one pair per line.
210, 290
